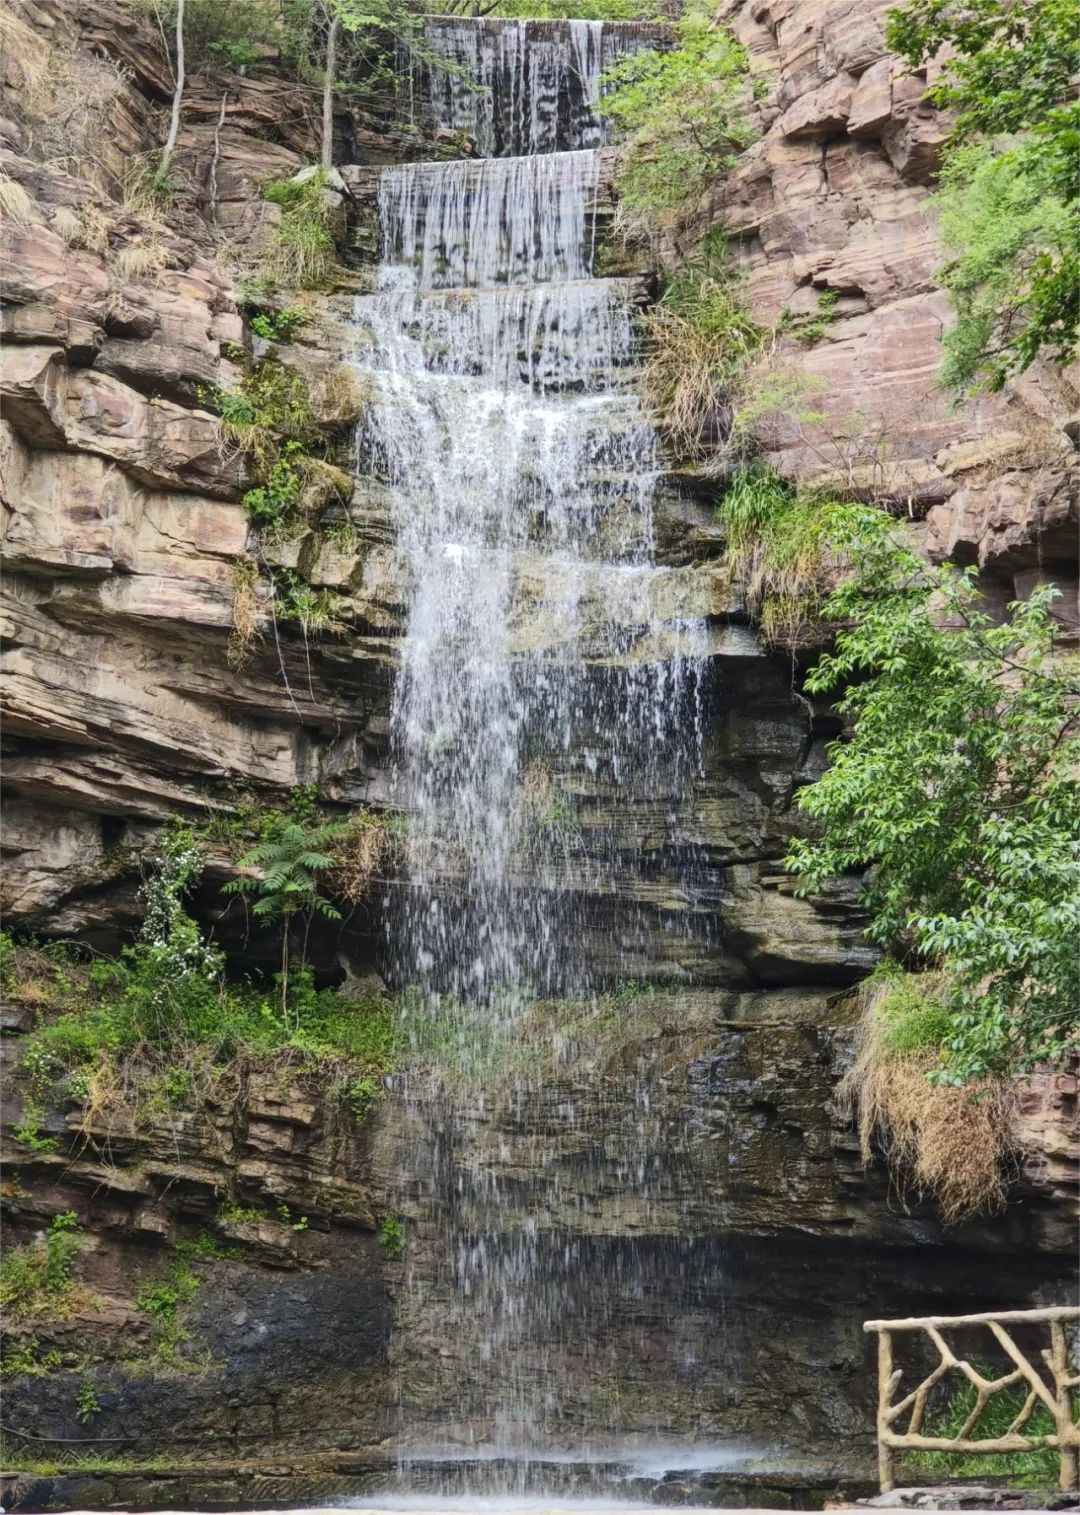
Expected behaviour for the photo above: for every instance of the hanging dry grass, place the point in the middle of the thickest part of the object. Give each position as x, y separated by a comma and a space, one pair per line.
246, 629
62, 95
16, 203
680, 383
701, 340
365, 846
952, 1142
26, 59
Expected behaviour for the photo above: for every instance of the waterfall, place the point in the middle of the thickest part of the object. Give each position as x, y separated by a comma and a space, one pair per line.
548, 702
517, 87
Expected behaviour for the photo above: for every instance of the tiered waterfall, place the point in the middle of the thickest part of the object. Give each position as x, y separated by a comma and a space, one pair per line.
547, 661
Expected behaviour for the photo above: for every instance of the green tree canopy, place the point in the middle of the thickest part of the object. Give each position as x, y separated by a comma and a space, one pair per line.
956, 791
1011, 189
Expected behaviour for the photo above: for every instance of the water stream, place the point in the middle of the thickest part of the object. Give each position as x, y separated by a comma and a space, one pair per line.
548, 707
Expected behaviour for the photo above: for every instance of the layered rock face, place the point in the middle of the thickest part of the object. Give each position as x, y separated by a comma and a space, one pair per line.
123, 531
835, 197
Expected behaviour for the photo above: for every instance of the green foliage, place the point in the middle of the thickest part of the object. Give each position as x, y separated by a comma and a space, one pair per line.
1010, 65
316, 610
1015, 274
164, 1013
288, 867
701, 340
87, 1403
272, 503
25, 1359
36, 1279
290, 862
586, 10
163, 1302
1011, 198
360, 1094
216, 32
392, 1236
304, 250
29, 1132
268, 413
912, 1017
682, 115
269, 418
1027, 1470
278, 325
809, 327
958, 788
778, 543
241, 1215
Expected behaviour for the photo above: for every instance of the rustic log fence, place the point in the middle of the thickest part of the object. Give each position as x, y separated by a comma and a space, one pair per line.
1056, 1394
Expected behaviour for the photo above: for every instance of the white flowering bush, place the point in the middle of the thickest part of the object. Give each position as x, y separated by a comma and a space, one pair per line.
171, 945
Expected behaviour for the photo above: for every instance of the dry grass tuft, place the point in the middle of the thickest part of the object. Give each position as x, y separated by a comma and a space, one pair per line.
345, 396
246, 629
361, 851
952, 1142
144, 259
95, 225
67, 225
681, 383
16, 203
26, 58
701, 341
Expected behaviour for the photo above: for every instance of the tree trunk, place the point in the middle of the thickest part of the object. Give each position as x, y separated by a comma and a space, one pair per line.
328, 96
178, 93
285, 970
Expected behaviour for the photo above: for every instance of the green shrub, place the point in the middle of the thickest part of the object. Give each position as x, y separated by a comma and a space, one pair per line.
87, 1403
272, 503
957, 786
778, 544
267, 413
36, 1279
392, 1236
1011, 198
216, 32
683, 117
279, 325
1013, 275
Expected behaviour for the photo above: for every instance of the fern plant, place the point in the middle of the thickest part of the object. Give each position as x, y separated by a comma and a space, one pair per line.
288, 865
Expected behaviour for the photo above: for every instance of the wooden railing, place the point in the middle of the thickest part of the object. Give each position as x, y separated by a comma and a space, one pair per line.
1055, 1394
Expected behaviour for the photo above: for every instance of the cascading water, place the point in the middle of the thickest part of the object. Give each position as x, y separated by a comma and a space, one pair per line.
549, 672
518, 87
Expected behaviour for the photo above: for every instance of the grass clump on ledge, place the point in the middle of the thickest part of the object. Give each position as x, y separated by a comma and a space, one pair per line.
952, 1142
161, 1024
780, 547
304, 251
700, 341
